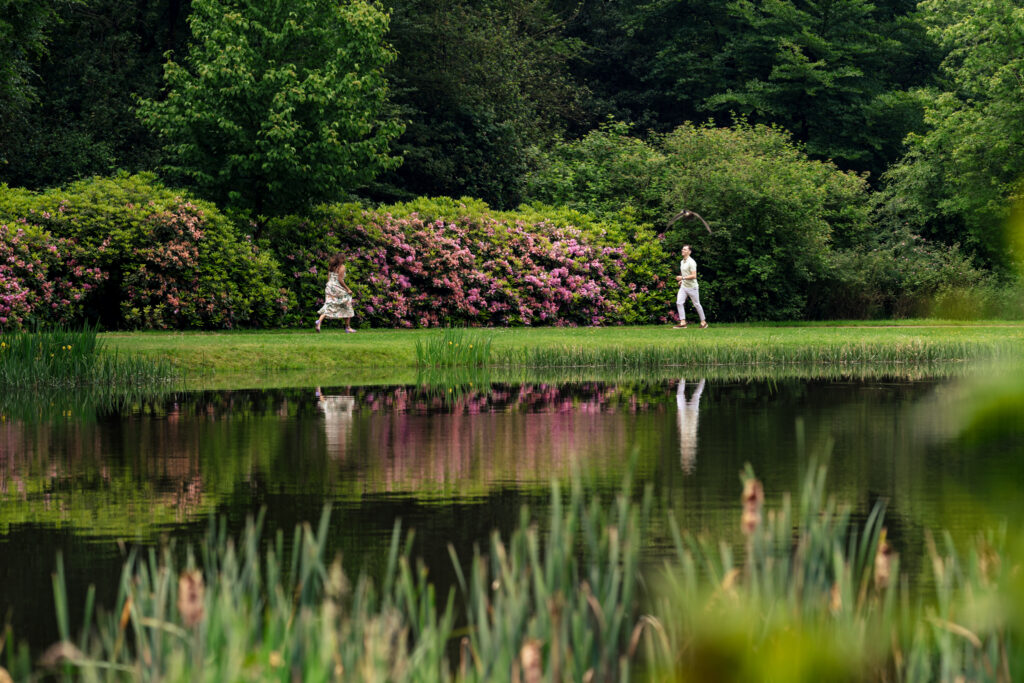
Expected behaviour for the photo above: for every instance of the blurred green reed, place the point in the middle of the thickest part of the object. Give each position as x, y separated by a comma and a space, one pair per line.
72, 358
453, 346
811, 596
804, 592
256, 615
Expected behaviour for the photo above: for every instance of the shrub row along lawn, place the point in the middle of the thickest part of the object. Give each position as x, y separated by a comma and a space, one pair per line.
380, 352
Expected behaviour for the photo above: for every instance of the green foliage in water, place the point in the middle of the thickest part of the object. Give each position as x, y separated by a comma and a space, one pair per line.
70, 358
813, 595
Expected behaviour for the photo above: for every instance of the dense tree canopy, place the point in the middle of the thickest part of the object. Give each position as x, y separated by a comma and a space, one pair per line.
834, 73
277, 106
961, 175
23, 40
482, 85
104, 53
268, 108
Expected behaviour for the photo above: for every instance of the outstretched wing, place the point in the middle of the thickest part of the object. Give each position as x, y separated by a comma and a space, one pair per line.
686, 213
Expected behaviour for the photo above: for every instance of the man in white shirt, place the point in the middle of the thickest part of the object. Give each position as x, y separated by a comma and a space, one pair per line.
688, 288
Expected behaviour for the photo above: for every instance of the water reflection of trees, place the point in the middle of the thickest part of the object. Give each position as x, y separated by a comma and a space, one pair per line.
156, 462
160, 461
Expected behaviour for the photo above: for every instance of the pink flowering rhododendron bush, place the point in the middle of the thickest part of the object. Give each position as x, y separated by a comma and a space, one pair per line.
42, 278
445, 262
166, 261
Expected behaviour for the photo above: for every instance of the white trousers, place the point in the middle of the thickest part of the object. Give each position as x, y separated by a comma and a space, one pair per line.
694, 296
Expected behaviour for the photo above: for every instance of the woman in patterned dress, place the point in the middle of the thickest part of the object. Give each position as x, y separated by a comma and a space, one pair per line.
338, 303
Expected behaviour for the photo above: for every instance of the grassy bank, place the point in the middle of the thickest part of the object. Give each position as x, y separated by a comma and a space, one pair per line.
245, 358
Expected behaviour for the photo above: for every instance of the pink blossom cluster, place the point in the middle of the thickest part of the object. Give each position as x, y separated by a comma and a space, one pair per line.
477, 271
167, 288
42, 278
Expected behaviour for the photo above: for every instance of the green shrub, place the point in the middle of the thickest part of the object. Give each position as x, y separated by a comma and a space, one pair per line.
903, 276
170, 262
774, 213
608, 170
303, 245
646, 287
988, 299
42, 278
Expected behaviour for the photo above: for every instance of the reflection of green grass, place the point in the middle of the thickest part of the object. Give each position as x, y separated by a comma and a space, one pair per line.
361, 377
122, 507
247, 358
81, 404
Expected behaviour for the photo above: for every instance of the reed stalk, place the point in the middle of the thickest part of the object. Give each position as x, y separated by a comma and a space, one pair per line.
62, 358
803, 593
453, 347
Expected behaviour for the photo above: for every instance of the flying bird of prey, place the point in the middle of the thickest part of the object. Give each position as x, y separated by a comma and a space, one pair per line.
686, 213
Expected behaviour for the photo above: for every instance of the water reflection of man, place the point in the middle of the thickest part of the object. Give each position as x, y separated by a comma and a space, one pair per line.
337, 410
687, 417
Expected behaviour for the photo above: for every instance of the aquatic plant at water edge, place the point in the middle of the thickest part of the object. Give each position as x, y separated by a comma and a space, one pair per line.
454, 347
249, 609
72, 358
812, 595
711, 352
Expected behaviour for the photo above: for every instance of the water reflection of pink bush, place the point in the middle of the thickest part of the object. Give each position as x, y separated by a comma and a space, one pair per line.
396, 439
537, 431
416, 452
591, 397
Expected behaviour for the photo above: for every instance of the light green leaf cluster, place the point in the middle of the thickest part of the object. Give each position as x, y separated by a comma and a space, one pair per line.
961, 176
277, 106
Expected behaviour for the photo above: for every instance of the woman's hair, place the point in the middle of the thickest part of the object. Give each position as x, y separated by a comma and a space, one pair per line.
336, 261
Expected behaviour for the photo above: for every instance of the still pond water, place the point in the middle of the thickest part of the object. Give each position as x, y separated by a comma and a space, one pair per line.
455, 463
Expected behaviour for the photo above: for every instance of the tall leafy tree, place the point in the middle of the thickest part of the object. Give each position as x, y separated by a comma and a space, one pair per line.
651, 63
961, 176
277, 105
482, 84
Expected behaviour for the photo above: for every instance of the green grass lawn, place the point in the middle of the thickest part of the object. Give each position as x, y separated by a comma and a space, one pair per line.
211, 358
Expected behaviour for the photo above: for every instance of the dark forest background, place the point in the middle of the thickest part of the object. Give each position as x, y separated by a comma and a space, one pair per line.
597, 105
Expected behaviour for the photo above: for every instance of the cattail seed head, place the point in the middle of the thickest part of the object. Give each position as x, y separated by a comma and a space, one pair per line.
190, 597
